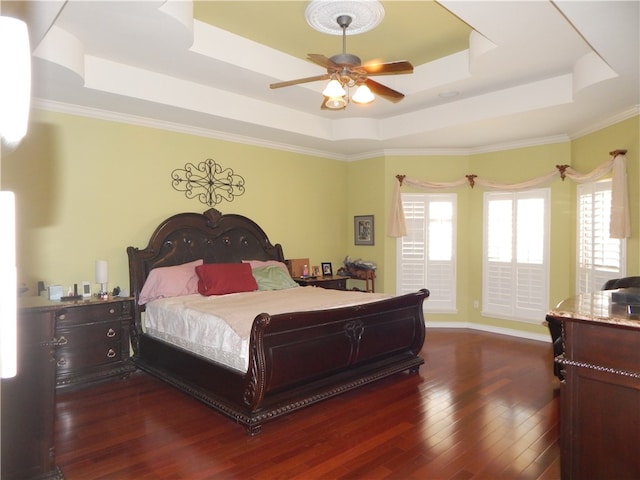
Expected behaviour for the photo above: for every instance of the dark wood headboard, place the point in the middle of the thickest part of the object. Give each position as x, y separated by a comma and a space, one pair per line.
212, 236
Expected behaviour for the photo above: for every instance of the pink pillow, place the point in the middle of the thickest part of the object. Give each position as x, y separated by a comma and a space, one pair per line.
170, 282
265, 263
223, 278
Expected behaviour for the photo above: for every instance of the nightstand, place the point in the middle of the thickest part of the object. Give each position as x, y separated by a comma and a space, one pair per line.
92, 340
332, 282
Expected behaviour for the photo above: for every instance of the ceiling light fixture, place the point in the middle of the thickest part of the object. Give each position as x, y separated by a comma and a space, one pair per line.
335, 89
333, 17
344, 70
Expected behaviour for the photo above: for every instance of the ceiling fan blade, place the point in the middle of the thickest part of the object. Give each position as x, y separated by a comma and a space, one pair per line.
288, 83
322, 61
384, 91
389, 68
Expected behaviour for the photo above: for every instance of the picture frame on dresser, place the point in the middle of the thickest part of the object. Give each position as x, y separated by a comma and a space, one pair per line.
327, 269
363, 230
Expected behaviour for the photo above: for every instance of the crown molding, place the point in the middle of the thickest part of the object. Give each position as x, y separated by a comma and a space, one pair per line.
607, 122
100, 114
107, 115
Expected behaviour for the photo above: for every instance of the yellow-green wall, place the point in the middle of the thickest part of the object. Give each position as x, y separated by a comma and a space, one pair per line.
587, 152
87, 188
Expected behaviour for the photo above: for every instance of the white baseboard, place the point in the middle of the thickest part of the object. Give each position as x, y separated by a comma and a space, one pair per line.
488, 328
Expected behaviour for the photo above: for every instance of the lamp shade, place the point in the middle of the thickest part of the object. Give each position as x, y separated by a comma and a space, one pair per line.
334, 89
101, 271
15, 80
363, 95
335, 103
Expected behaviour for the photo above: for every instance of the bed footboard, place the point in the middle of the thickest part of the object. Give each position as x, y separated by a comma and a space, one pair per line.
301, 358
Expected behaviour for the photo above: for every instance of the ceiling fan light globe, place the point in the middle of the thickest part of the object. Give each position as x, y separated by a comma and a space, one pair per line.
334, 89
336, 103
363, 95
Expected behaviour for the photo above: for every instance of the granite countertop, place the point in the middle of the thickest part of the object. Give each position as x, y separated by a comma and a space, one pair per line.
601, 307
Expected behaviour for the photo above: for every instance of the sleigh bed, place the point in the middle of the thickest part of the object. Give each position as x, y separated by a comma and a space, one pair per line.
293, 359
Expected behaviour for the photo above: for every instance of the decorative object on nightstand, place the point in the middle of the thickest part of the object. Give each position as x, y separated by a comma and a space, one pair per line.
296, 266
327, 270
102, 276
360, 270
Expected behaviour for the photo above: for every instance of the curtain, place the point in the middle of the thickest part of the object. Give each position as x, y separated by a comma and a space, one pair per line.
620, 222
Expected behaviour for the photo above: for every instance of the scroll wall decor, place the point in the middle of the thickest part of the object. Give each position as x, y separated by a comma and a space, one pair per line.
208, 182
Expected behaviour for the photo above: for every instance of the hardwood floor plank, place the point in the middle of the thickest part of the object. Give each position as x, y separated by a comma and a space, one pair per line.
483, 406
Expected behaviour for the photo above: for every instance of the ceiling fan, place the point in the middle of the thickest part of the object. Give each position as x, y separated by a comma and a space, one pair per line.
346, 70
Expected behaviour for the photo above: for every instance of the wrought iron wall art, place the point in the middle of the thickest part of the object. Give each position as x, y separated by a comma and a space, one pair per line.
208, 182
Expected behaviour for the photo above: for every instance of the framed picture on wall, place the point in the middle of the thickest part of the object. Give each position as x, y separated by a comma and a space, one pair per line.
363, 229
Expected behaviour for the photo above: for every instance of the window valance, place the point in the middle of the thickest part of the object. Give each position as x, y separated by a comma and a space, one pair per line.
620, 223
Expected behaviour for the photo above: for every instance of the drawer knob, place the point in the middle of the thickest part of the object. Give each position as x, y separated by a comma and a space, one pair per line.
62, 341
111, 333
111, 353
61, 316
112, 311
62, 362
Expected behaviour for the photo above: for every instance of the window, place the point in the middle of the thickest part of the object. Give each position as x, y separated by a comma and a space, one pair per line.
600, 258
516, 244
426, 255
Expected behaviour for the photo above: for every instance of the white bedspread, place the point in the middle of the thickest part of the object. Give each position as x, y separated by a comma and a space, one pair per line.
218, 327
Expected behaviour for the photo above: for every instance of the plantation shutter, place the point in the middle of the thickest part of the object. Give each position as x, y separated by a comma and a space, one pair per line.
515, 269
600, 258
426, 255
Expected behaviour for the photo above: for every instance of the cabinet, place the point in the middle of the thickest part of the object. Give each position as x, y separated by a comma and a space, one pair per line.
332, 282
93, 341
600, 393
28, 401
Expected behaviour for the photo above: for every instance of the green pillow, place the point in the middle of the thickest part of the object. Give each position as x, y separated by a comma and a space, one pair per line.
273, 277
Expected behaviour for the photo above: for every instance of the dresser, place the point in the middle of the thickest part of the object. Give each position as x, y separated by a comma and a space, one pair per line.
600, 393
332, 282
91, 337
92, 340
60, 344
28, 401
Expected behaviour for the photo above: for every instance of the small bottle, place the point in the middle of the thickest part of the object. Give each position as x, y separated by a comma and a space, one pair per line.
305, 271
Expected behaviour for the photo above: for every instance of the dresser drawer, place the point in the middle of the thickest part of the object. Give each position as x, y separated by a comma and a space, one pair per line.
340, 284
72, 359
94, 312
89, 335
335, 283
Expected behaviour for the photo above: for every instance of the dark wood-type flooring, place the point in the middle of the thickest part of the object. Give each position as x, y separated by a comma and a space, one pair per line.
484, 406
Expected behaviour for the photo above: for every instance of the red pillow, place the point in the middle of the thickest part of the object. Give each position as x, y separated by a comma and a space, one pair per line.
222, 278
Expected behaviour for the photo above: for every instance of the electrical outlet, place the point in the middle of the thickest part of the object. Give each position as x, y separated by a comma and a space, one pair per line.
476, 304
